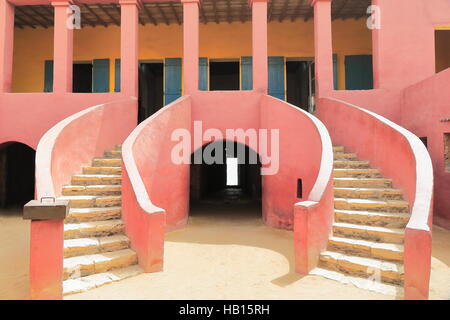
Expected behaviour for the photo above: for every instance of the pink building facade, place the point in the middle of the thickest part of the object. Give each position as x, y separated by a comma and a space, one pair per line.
407, 94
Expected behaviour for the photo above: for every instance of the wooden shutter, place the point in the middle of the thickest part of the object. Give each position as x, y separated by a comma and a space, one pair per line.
246, 73
48, 76
100, 75
172, 79
276, 77
117, 76
358, 72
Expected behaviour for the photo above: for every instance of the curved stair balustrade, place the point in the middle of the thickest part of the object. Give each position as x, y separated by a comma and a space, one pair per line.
148, 173
308, 152
401, 156
62, 150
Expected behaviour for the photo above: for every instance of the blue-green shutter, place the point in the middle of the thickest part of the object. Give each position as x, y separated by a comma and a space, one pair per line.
276, 77
172, 79
335, 72
100, 75
48, 76
246, 73
358, 72
117, 76
203, 74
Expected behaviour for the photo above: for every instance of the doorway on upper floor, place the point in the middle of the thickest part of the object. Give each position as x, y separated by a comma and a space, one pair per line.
82, 77
300, 82
224, 74
151, 88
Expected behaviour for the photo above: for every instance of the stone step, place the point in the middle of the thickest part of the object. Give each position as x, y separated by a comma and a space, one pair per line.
93, 214
92, 201
384, 271
362, 283
102, 170
352, 164
369, 193
371, 205
356, 173
106, 162
372, 233
71, 286
84, 246
362, 183
373, 218
95, 179
344, 156
93, 229
338, 148
81, 266
113, 154
365, 248
93, 190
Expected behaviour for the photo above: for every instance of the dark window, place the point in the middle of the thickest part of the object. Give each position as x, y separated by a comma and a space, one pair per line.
299, 188
442, 47
447, 151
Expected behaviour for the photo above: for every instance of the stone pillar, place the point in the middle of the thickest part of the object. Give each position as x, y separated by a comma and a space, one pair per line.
259, 45
62, 48
190, 45
6, 45
129, 47
323, 47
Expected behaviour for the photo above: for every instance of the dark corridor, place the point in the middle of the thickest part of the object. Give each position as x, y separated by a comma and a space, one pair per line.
17, 166
151, 89
217, 183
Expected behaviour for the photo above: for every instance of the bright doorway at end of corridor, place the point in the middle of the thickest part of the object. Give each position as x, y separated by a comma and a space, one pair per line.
235, 181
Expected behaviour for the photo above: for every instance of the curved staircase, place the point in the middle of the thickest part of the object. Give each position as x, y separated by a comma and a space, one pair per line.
96, 250
366, 248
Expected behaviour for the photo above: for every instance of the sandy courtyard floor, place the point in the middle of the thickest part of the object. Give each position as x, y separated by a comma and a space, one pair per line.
221, 254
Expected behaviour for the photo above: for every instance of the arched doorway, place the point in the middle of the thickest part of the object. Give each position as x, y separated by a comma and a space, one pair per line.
225, 174
17, 167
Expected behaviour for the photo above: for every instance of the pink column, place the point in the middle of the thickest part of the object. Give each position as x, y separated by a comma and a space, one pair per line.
46, 259
6, 45
190, 45
129, 47
323, 48
259, 45
62, 49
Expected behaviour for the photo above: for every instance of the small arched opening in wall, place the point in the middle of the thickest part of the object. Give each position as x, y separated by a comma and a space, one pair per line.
17, 175
225, 178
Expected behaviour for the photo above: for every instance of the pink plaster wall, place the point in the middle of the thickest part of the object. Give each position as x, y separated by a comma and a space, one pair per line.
403, 48
25, 117
424, 105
